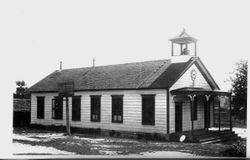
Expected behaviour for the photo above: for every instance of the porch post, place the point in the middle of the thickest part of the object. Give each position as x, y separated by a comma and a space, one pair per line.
208, 113
172, 49
192, 112
219, 112
181, 48
214, 110
195, 49
231, 125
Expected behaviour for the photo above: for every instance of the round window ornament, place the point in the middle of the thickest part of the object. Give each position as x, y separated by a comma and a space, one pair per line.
193, 74
182, 138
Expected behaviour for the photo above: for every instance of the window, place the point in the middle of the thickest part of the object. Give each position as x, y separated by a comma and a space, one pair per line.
40, 107
117, 108
57, 108
95, 105
76, 108
148, 109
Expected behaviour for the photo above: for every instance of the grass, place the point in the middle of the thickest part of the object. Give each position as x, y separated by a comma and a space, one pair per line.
87, 144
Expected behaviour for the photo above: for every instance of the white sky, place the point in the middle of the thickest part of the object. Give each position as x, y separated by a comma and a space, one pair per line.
36, 35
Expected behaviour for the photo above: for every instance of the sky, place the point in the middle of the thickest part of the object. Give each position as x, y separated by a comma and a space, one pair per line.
36, 35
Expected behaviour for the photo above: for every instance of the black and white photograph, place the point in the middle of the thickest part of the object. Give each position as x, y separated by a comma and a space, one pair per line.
124, 79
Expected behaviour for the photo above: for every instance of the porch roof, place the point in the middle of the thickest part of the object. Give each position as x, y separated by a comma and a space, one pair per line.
198, 91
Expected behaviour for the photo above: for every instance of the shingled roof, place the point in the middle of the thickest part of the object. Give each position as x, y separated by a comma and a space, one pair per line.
140, 75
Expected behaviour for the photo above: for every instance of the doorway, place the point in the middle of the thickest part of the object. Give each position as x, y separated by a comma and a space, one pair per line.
206, 114
178, 116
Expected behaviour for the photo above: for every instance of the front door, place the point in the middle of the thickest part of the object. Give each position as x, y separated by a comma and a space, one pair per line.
178, 117
207, 114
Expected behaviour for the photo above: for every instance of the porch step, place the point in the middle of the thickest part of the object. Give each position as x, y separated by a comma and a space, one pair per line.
205, 136
228, 140
219, 137
209, 134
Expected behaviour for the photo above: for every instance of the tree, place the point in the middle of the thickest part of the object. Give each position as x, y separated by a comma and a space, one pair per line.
21, 89
239, 89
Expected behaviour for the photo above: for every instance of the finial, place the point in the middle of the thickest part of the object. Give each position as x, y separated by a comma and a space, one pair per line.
93, 62
60, 65
183, 31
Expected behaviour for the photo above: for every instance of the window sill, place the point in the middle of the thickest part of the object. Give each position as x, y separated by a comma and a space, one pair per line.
95, 121
39, 118
148, 124
74, 120
117, 121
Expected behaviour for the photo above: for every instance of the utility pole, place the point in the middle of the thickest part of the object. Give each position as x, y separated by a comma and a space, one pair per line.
66, 90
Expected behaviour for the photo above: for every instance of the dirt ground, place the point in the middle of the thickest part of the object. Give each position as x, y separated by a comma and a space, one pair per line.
40, 142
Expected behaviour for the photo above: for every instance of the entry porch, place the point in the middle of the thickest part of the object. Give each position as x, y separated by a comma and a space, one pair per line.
197, 110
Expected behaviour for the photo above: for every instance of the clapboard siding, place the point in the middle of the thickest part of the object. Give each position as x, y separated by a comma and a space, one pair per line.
186, 119
185, 81
199, 123
131, 111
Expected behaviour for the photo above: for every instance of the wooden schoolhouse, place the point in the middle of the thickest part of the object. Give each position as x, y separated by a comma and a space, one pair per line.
168, 96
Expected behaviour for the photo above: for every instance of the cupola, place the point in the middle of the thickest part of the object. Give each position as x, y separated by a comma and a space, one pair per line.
185, 42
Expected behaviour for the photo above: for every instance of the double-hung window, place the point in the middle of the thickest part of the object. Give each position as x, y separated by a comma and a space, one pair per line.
40, 107
95, 108
148, 109
57, 108
76, 108
117, 108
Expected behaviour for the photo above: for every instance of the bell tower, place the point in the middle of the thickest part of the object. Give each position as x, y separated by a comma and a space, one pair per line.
184, 41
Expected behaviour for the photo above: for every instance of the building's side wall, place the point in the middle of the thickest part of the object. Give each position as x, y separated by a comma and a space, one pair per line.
186, 81
131, 111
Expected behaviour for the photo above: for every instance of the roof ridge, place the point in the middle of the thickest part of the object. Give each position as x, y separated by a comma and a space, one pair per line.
133, 62
116, 64
150, 75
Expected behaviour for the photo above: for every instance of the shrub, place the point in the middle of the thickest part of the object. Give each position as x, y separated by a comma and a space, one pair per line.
238, 149
156, 136
37, 126
148, 136
139, 136
98, 130
112, 133
118, 134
